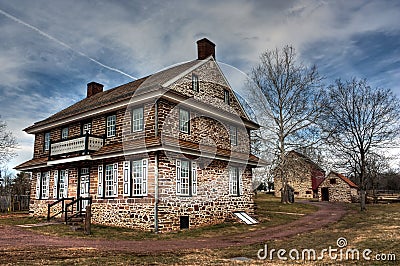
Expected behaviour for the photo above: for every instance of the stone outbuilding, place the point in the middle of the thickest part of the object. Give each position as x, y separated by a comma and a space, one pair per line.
304, 176
338, 188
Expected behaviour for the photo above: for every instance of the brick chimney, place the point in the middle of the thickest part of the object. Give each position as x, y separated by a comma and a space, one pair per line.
205, 48
94, 88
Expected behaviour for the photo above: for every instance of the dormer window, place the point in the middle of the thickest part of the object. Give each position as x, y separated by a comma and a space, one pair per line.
64, 133
195, 83
226, 97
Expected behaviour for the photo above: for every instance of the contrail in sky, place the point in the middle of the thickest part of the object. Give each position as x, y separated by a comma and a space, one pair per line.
63, 43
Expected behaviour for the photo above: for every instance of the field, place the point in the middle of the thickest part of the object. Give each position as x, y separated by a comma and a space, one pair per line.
377, 229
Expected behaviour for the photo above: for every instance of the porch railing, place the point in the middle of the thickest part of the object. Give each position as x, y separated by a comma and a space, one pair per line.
50, 205
83, 144
75, 208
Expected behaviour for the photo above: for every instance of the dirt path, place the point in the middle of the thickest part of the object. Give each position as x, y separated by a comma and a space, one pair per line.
12, 236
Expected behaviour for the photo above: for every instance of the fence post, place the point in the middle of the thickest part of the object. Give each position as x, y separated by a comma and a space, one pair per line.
88, 218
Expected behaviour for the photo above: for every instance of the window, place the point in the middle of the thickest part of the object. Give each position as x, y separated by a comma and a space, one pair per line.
107, 186
226, 97
62, 184
233, 135
184, 121
135, 178
46, 141
109, 181
87, 128
186, 178
332, 181
235, 182
111, 121
195, 83
64, 133
42, 185
137, 119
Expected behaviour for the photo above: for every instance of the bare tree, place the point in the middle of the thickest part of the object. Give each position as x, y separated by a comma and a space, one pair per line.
288, 100
360, 120
7, 143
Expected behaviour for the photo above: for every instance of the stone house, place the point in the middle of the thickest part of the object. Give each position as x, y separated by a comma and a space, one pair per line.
161, 153
304, 176
338, 188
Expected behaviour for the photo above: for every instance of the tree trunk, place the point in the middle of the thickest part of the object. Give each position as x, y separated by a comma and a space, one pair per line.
362, 194
362, 177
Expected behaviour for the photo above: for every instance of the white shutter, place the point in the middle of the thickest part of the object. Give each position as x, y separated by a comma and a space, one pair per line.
100, 180
144, 178
38, 175
231, 173
178, 177
115, 175
127, 178
240, 180
55, 190
194, 178
47, 184
66, 184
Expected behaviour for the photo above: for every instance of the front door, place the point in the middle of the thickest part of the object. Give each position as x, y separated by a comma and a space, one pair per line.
325, 194
84, 185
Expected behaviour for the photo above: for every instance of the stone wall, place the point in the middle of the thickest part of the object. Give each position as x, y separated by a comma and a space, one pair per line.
339, 190
129, 213
211, 88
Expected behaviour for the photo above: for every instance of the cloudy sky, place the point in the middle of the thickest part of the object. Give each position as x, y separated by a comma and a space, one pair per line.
50, 50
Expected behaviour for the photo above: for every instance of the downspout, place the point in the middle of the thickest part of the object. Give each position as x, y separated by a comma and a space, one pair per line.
156, 173
156, 193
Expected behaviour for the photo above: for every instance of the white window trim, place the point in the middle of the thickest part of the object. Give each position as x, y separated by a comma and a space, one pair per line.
47, 141
111, 125
233, 135
113, 179
192, 179
45, 185
195, 83
235, 181
184, 126
139, 120
64, 133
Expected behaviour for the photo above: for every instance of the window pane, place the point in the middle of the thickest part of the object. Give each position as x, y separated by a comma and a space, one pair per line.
111, 125
184, 121
234, 176
61, 183
47, 141
226, 96
195, 83
109, 180
185, 177
87, 128
137, 119
233, 135
64, 133
137, 175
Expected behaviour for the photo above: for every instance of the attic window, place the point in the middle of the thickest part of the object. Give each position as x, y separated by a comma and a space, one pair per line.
226, 97
332, 181
195, 83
